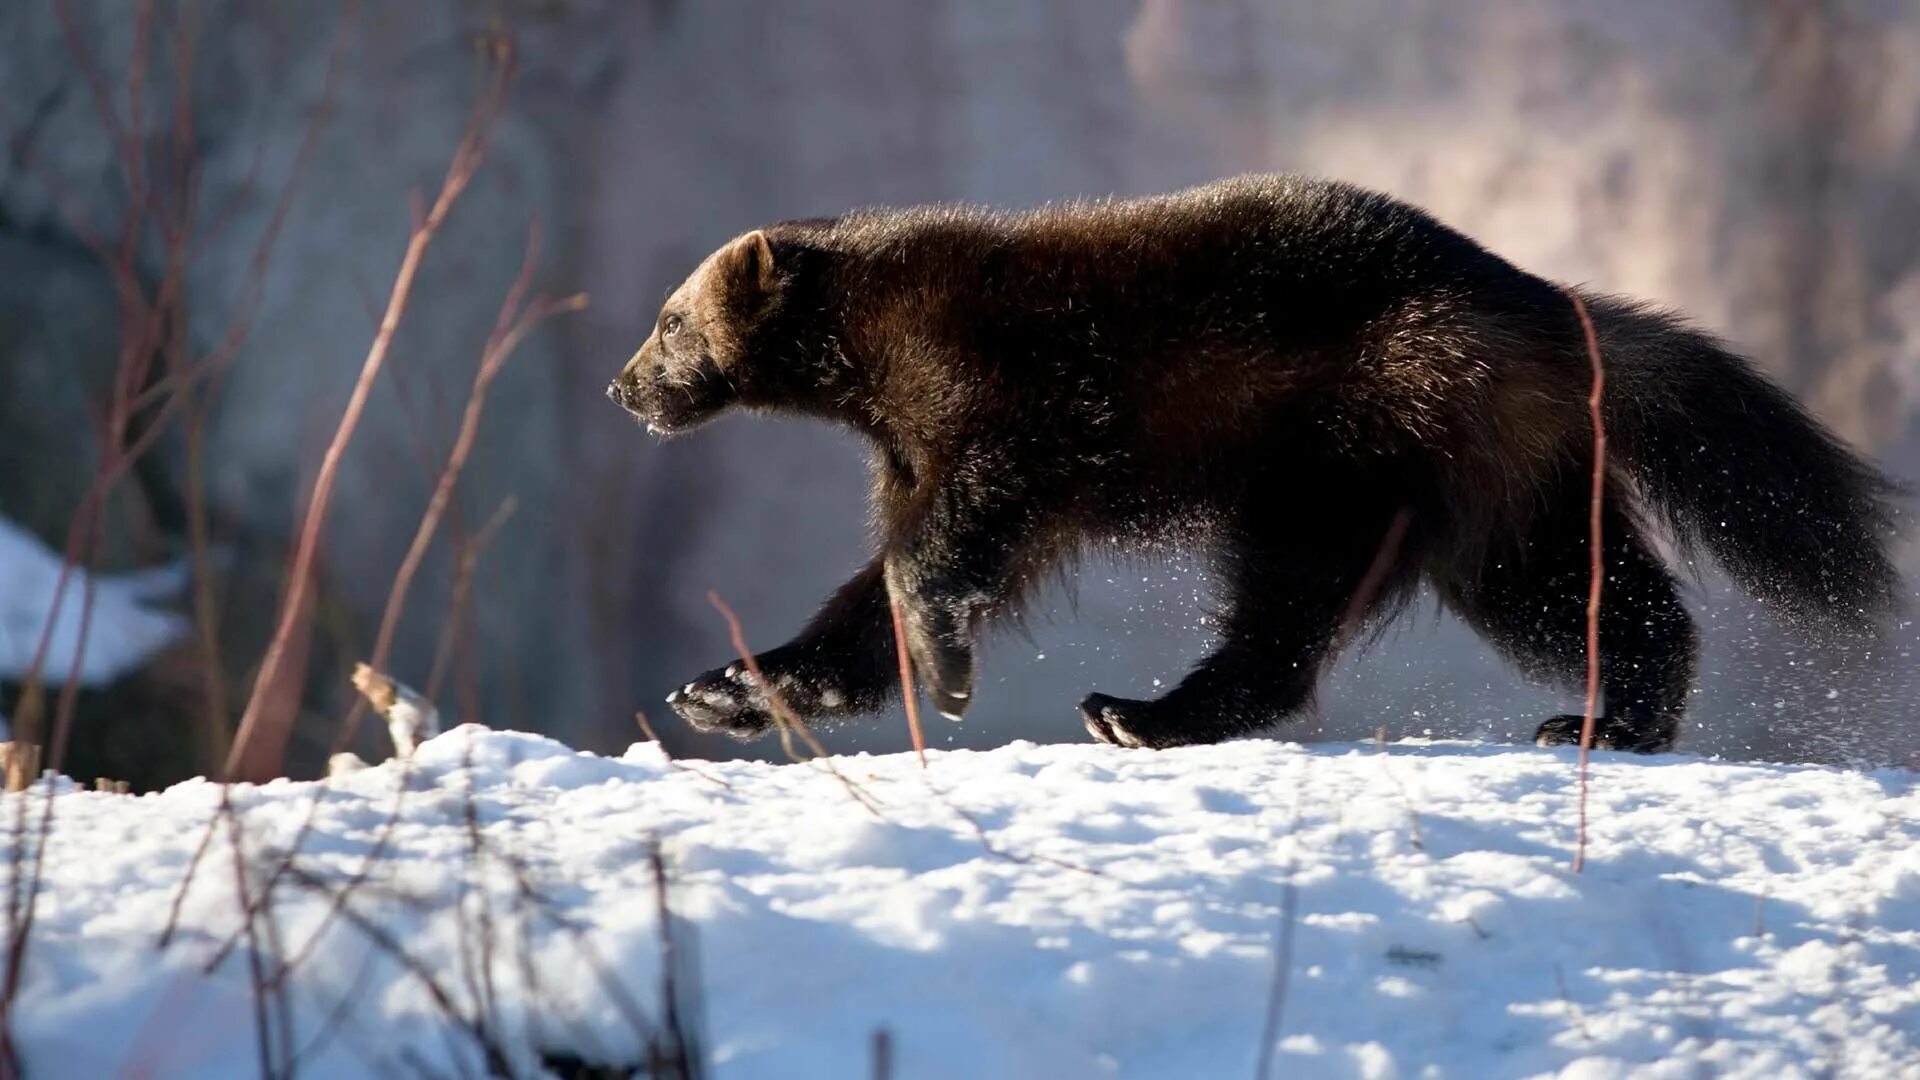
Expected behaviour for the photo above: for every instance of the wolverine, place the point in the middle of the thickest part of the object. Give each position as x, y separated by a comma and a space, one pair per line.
1332, 395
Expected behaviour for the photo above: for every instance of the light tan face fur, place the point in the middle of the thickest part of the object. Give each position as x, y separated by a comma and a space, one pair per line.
686, 371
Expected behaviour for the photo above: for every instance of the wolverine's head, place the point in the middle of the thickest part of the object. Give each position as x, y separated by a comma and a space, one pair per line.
694, 364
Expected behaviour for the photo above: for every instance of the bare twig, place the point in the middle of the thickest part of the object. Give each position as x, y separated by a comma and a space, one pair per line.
256, 969
360, 877
186, 879
907, 693
1375, 578
382, 939
1596, 572
261, 740
987, 844
1282, 976
20, 916
125, 146
282, 996
785, 719
146, 319
373, 858
1283, 942
653, 737
462, 590
676, 1054
616, 992
1573, 1008
483, 990
337, 1017
517, 319
466, 160
70, 690
1385, 555
22, 892
188, 375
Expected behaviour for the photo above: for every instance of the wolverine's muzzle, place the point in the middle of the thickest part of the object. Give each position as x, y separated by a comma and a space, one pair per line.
623, 393
643, 407
659, 406
672, 395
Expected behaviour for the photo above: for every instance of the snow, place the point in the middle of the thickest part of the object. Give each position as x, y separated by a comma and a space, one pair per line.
124, 631
1096, 912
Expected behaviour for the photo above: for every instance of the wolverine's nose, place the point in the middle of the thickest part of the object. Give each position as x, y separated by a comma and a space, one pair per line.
619, 394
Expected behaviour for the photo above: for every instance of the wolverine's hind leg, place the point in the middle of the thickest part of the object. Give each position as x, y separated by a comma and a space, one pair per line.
1529, 599
1288, 588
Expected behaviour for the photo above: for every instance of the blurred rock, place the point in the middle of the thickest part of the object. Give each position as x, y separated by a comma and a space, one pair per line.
58, 353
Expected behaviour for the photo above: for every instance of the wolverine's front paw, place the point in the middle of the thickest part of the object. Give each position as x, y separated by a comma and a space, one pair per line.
1565, 731
1124, 722
724, 700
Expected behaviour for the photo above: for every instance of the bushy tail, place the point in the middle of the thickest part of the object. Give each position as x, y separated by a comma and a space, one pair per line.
1734, 464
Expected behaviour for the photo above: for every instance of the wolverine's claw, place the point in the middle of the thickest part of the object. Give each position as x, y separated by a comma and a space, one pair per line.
720, 701
949, 675
1118, 722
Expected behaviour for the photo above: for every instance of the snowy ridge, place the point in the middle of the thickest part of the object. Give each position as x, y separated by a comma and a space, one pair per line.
1734, 919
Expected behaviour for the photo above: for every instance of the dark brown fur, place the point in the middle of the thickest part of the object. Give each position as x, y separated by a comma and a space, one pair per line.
1270, 369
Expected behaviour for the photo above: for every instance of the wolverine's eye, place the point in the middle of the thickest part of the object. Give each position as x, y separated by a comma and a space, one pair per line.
670, 327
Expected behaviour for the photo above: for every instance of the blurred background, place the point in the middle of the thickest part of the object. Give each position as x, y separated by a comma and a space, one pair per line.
1756, 164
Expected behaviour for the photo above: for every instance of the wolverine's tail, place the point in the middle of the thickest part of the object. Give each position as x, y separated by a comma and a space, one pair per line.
1733, 463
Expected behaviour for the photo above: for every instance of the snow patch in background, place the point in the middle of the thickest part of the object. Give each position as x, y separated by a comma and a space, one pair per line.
1741, 919
122, 631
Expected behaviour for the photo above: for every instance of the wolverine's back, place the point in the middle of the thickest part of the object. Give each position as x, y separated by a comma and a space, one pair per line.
1180, 331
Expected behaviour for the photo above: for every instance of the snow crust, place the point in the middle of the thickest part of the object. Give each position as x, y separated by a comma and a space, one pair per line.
1103, 912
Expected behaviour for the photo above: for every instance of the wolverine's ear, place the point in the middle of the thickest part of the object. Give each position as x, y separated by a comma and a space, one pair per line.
749, 263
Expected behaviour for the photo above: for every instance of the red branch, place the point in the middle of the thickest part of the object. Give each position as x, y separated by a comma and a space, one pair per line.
517, 319
1384, 558
785, 719
1597, 570
260, 742
906, 684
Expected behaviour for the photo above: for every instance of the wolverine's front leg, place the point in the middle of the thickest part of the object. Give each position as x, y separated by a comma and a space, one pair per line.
937, 613
841, 665
952, 565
